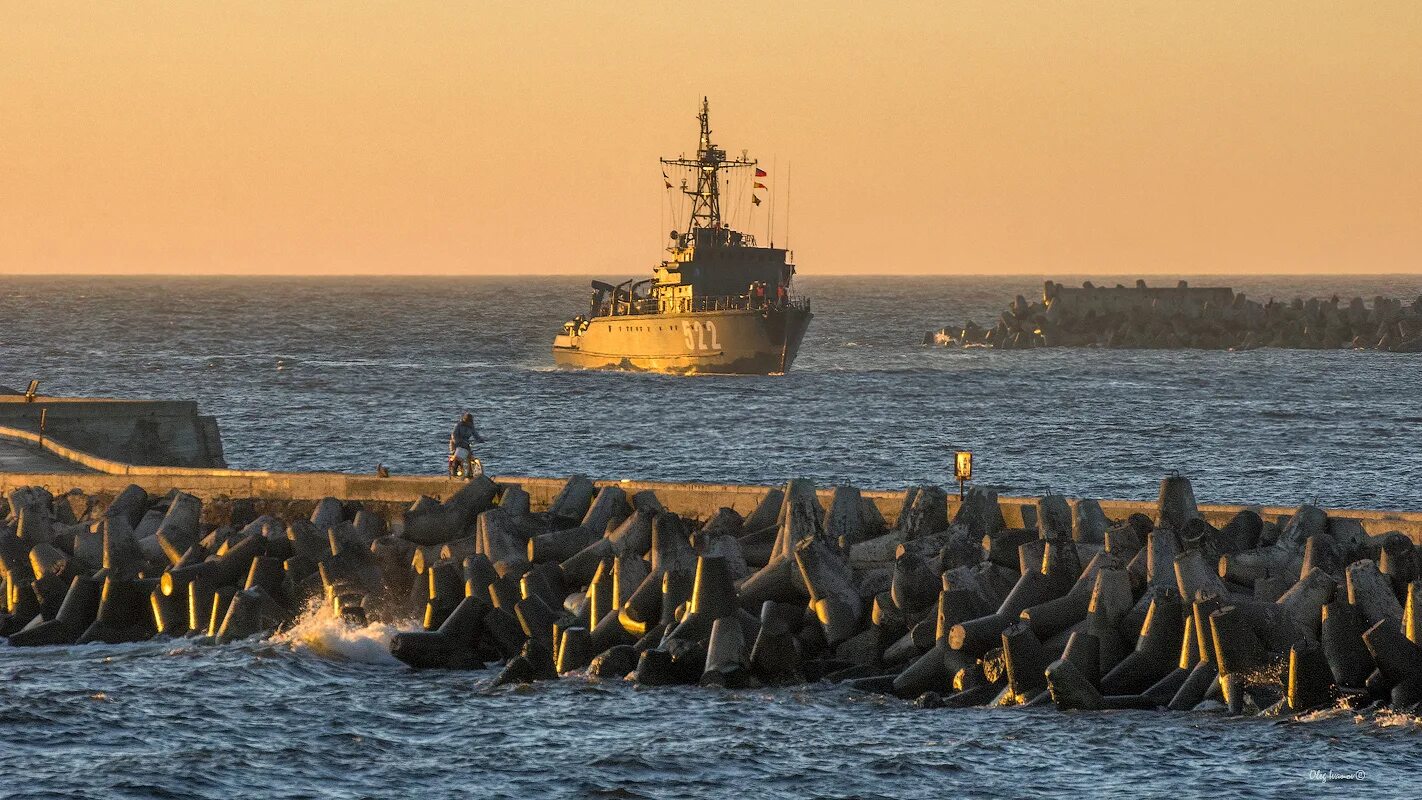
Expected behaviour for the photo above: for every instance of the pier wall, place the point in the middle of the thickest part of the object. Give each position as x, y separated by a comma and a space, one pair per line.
295, 491
137, 432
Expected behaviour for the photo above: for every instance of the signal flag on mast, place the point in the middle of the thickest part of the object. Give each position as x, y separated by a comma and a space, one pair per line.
758, 185
755, 199
760, 173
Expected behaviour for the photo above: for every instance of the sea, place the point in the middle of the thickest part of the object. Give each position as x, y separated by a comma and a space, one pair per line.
347, 373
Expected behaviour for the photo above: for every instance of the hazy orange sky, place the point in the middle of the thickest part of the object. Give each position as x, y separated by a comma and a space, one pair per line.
346, 137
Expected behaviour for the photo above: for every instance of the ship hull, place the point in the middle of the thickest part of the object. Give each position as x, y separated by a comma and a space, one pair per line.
732, 342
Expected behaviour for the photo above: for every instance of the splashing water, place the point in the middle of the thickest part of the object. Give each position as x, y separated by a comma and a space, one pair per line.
322, 632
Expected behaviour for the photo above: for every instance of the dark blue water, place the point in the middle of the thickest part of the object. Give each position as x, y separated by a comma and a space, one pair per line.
342, 374
279, 720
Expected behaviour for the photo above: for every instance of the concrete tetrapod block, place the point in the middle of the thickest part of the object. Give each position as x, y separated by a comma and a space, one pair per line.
180, 528
1071, 690
46, 560
775, 658
608, 505
677, 585
974, 637
1193, 576
1026, 661
1247, 566
1308, 521
844, 521
980, 513
766, 513
170, 613
251, 611
575, 650
562, 545
1411, 621
1310, 683
1176, 505
1398, 658
500, 540
122, 555
1084, 650
1157, 649
200, 596
1242, 532
1164, 691
533, 663
439, 522
229, 568
671, 543
1372, 593
1323, 553
129, 505
124, 614
931, 672
913, 586
1054, 517
1089, 522
505, 633
615, 662
81, 605
925, 514
600, 592
1303, 602
1232, 686
1237, 649
643, 609
727, 662
1196, 685
454, 645
573, 501
1054, 616
832, 594
1001, 546
479, 575
778, 581
221, 601
1399, 564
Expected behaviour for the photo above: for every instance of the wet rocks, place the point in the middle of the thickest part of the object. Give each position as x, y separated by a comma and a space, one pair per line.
1076, 609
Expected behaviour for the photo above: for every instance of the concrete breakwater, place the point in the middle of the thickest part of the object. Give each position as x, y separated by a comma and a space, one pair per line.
1184, 317
137, 432
1158, 610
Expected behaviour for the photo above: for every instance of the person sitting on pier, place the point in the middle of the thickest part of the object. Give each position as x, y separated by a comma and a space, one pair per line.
461, 446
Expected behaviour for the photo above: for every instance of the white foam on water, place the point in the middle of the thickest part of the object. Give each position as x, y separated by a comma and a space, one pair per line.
1387, 718
321, 632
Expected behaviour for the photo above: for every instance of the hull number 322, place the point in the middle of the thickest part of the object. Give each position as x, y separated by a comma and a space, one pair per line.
700, 335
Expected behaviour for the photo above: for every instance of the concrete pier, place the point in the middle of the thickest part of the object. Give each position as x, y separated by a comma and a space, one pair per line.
138, 432
1100, 604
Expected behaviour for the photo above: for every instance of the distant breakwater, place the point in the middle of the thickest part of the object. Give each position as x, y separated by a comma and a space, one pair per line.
1143, 317
1162, 611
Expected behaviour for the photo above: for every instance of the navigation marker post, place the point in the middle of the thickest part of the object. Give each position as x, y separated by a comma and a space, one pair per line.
962, 469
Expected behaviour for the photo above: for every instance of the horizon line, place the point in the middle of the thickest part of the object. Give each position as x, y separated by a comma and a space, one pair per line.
290, 275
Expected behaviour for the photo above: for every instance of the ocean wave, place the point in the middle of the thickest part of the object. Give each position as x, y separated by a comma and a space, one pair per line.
320, 632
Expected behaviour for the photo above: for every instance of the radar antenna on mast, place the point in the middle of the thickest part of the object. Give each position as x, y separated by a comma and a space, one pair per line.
709, 161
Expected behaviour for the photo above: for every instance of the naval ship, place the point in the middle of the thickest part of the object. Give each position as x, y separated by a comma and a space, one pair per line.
718, 304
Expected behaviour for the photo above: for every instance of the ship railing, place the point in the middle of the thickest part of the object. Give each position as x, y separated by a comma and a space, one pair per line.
699, 304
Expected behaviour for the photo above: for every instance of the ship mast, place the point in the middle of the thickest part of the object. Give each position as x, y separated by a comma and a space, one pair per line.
709, 161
